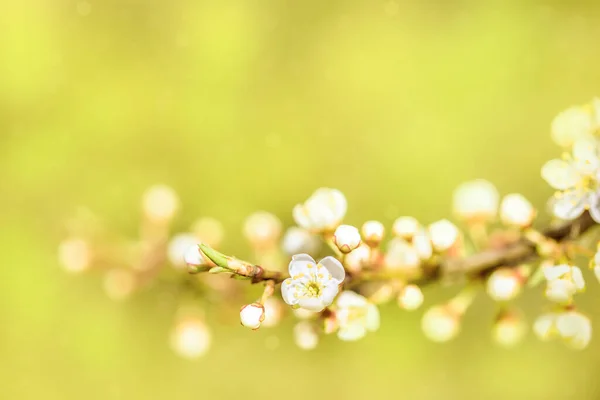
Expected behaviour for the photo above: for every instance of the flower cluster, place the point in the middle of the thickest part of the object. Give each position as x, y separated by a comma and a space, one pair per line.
492, 245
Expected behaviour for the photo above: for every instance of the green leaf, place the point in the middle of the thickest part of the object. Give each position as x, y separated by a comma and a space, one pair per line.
217, 270
216, 257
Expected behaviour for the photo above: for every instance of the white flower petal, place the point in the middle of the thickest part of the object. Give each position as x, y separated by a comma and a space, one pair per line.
560, 174
577, 278
300, 264
287, 292
311, 303
301, 217
570, 205
328, 292
585, 152
595, 207
554, 272
335, 268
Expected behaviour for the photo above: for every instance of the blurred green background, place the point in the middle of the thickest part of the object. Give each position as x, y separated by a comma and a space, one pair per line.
246, 105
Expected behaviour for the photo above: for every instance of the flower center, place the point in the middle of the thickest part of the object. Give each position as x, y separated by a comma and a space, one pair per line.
313, 289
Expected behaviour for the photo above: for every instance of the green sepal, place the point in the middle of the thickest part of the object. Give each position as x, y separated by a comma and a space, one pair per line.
218, 258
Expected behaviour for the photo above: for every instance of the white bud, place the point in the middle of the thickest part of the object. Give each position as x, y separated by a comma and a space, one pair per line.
509, 330
410, 298
401, 255
504, 284
373, 232
209, 230
406, 227
346, 238
476, 200
193, 256
273, 312
440, 324
300, 241
75, 255
305, 335
160, 203
178, 247
443, 234
516, 210
119, 284
262, 229
357, 259
190, 338
544, 326
251, 315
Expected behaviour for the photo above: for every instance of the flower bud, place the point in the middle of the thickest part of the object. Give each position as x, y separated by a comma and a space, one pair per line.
357, 259
476, 201
160, 203
190, 338
574, 328
440, 324
401, 255
251, 315
509, 329
346, 238
406, 227
516, 210
504, 284
372, 233
443, 234
75, 255
193, 256
262, 229
410, 298
305, 335
209, 230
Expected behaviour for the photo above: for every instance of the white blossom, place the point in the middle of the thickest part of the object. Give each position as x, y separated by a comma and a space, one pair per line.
312, 285
346, 238
576, 181
323, 211
544, 326
355, 316
476, 200
443, 234
401, 255
571, 125
574, 328
251, 315
563, 281
516, 210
